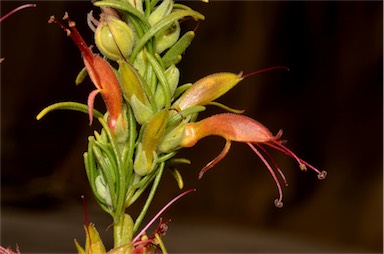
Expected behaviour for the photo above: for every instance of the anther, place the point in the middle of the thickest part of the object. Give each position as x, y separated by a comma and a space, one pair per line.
303, 167
66, 16
278, 203
322, 175
51, 19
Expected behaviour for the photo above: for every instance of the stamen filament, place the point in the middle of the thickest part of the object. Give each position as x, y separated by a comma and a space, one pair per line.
264, 70
278, 146
278, 202
274, 163
16, 10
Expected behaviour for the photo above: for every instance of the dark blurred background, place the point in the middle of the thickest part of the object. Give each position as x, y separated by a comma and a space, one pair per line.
330, 106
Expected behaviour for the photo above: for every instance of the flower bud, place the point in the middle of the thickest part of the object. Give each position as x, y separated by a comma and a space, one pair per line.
93, 241
172, 74
146, 154
172, 139
103, 190
121, 131
161, 12
208, 89
167, 37
137, 4
114, 38
133, 92
173, 55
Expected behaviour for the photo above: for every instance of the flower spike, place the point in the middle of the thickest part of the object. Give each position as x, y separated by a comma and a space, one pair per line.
99, 71
240, 128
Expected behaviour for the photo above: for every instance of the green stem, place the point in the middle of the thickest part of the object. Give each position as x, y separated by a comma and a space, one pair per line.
161, 244
122, 231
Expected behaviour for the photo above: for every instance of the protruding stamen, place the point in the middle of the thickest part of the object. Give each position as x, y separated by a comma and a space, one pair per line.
264, 70
302, 164
303, 167
16, 10
274, 163
92, 22
71, 24
279, 201
66, 16
278, 146
86, 219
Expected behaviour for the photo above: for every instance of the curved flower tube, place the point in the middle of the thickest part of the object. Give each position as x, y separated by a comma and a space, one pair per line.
100, 72
233, 127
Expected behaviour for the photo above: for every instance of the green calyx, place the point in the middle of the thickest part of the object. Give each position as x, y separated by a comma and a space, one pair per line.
114, 38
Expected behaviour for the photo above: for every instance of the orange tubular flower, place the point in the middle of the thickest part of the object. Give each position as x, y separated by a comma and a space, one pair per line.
100, 72
240, 128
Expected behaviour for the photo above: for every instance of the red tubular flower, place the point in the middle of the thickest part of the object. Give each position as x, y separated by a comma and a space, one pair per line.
100, 72
240, 128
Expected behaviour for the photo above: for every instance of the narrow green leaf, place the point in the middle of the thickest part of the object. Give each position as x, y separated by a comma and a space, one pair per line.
69, 105
173, 55
81, 76
179, 179
162, 79
124, 6
232, 110
174, 16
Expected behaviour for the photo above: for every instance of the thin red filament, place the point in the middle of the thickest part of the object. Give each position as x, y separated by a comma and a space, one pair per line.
264, 70
160, 212
278, 202
16, 10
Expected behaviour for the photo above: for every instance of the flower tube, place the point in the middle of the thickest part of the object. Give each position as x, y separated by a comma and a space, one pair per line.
239, 128
100, 72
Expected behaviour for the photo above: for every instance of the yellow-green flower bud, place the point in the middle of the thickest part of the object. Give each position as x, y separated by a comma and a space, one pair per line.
146, 154
121, 131
114, 38
172, 74
133, 92
167, 37
93, 243
163, 10
208, 89
103, 190
137, 4
172, 139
